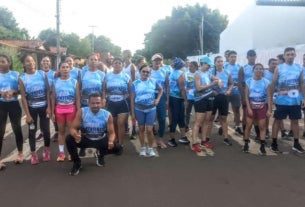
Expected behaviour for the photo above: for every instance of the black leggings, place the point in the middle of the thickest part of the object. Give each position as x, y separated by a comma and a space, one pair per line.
100, 145
12, 110
177, 110
44, 127
190, 104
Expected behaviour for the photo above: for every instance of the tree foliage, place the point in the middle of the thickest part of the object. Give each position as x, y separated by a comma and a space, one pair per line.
9, 28
79, 46
178, 34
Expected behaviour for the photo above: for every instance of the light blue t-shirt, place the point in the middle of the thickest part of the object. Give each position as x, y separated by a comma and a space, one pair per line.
92, 82
288, 85
190, 85
117, 86
75, 73
94, 125
205, 79
145, 94
35, 88
174, 89
248, 72
224, 77
65, 91
160, 75
268, 75
234, 70
258, 92
9, 82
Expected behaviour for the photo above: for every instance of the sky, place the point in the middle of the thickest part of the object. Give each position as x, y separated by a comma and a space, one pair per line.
124, 22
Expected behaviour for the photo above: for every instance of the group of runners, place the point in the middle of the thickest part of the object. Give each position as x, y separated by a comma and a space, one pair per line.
90, 107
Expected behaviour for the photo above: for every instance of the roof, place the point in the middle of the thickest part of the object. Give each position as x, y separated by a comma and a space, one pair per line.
32, 45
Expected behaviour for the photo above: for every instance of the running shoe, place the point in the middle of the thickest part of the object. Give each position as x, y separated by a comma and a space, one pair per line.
274, 147
2, 166
19, 159
100, 161
297, 147
238, 130
207, 144
196, 148
183, 140
172, 143
82, 152
246, 147
34, 159
118, 149
227, 142
283, 133
262, 150
151, 152
61, 157
46, 154
143, 151
75, 169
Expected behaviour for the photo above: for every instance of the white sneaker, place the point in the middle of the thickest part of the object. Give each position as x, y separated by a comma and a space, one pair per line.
143, 151
151, 152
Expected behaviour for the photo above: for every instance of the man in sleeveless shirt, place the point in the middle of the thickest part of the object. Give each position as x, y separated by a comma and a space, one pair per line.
91, 128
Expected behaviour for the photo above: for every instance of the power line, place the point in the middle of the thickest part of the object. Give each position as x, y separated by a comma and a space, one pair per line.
92, 37
58, 55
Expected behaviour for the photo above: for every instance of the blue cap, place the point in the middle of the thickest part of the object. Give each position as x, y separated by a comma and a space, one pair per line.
205, 59
178, 63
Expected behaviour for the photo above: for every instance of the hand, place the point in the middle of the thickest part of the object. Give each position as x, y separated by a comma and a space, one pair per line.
29, 119
303, 104
215, 82
228, 93
250, 112
156, 102
103, 103
269, 113
77, 136
110, 145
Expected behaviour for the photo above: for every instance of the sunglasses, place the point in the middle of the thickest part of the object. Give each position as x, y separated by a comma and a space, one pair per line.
145, 72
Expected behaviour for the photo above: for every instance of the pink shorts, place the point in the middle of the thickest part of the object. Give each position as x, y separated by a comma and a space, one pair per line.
259, 114
65, 113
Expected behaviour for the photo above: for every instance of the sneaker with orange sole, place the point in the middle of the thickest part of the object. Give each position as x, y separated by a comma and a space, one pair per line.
61, 157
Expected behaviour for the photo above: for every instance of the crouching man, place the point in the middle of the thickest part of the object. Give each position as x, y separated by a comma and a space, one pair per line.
91, 128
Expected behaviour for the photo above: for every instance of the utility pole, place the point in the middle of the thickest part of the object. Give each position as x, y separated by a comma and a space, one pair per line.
92, 37
58, 55
201, 27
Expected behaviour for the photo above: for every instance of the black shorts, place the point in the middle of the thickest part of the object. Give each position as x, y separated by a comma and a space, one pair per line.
204, 105
221, 105
116, 108
282, 111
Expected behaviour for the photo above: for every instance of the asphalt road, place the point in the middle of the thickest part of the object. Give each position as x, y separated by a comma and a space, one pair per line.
178, 177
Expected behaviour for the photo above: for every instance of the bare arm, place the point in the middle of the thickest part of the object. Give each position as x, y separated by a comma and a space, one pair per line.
274, 81
181, 83
230, 85
241, 84
111, 134
132, 97
133, 72
200, 87
53, 101
75, 126
160, 93
77, 100
246, 92
24, 102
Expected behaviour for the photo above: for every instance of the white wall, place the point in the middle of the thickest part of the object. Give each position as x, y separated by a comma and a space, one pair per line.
264, 27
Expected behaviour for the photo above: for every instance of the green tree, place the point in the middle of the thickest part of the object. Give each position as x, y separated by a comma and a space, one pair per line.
104, 44
49, 37
178, 34
9, 28
14, 54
